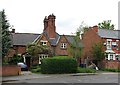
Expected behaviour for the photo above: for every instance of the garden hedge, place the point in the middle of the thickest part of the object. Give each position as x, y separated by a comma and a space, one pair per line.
59, 65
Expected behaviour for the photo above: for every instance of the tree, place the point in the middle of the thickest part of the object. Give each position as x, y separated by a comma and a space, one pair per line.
35, 50
15, 59
97, 51
75, 49
83, 28
98, 54
6, 40
106, 25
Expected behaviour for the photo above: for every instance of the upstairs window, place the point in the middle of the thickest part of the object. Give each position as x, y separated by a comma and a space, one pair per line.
114, 44
109, 44
43, 42
63, 45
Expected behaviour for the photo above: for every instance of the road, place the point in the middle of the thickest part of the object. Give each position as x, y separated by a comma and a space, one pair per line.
69, 78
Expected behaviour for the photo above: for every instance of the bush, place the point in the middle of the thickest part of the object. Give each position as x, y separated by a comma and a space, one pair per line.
15, 59
112, 70
59, 64
85, 70
35, 69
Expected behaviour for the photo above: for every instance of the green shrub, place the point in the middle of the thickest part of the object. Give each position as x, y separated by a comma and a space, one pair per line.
15, 59
112, 70
85, 70
35, 69
34, 66
60, 64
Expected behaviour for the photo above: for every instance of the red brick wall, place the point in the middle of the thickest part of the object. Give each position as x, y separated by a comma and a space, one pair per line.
59, 50
21, 49
89, 39
111, 64
45, 39
10, 70
16, 50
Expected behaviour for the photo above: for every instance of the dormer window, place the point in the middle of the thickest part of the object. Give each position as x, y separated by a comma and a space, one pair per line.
43, 42
63, 45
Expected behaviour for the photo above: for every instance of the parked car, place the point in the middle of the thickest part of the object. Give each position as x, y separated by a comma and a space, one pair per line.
23, 66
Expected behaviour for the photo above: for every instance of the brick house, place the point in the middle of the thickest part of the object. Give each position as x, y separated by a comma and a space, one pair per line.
110, 40
58, 44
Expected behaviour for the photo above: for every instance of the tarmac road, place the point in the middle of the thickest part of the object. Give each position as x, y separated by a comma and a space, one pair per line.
102, 77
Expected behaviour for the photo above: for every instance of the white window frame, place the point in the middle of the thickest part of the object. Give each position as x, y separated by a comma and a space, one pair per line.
109, 44
63, 45
117, 56
44, 43
42, 56
111, 57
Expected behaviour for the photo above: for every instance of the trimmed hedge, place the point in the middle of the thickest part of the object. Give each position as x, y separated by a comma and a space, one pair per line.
58, 65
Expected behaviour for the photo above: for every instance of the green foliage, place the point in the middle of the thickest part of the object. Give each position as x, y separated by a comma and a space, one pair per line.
34, 50
82, 28
112, 70
15, 59
35, 69
106, 25
75, 49
97, 51
6, 40
85, 70
58, 65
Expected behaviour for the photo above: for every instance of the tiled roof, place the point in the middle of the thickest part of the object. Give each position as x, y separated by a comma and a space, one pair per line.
115, 34
23, 38
53, 41
70, 39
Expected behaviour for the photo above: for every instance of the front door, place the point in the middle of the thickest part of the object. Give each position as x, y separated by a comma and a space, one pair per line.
27, 61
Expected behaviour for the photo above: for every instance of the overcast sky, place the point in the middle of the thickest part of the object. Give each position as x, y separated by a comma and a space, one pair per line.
27, 15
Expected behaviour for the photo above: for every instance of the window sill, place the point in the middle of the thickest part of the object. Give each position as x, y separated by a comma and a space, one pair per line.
63, 48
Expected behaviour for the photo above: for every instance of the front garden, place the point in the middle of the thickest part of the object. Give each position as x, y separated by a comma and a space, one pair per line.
60, 65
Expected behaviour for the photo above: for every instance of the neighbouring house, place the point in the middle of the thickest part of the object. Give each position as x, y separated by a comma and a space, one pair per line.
58, 44
111, 45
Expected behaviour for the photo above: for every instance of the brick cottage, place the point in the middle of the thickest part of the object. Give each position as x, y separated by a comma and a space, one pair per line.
111, 41
59, 44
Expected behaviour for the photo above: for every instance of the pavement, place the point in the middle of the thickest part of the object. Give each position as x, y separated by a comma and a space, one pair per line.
27, 75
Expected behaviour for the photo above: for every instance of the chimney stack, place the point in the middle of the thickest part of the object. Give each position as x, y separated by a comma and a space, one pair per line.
49, 26
95, 28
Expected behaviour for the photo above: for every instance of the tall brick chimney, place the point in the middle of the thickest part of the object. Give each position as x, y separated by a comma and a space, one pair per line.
49, 26
95, 28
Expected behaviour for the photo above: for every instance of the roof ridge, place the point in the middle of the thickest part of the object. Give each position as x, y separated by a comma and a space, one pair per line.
26, 33
108, 29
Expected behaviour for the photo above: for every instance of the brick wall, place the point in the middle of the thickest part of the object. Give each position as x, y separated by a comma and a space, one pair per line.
8, 70
89, 39
59, 50
111, 64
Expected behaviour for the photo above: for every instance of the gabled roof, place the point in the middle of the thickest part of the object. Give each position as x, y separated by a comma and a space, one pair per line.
70, 39
23, 38
53, 41
104, 33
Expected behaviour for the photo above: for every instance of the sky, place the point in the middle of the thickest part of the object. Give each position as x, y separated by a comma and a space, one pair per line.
27, 16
